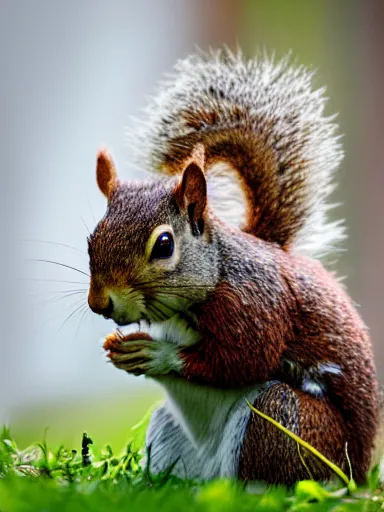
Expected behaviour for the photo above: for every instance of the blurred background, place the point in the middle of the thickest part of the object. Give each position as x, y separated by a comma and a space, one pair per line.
72, 74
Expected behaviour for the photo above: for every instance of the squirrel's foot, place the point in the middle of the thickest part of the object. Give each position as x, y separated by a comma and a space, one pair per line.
140, 354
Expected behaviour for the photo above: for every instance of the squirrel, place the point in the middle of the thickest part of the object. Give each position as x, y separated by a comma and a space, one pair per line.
213, 264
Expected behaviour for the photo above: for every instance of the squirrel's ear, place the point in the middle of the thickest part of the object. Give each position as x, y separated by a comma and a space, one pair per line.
191, 193
106, 173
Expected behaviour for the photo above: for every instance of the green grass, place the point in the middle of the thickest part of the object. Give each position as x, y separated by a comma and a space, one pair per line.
41, 479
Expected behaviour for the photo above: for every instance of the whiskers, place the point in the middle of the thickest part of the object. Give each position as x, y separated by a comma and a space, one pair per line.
59, 264
57, 244
161, 307
70, 300
78, 307
155, 313
82, 309
64, 294
166, 300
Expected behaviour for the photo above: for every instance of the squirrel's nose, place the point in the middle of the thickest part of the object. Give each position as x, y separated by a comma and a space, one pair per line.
107, 311
101, 309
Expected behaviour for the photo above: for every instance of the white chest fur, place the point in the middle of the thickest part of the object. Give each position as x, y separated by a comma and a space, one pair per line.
212, 420
207, 424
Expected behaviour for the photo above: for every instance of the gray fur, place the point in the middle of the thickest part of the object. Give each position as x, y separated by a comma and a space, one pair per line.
201, 428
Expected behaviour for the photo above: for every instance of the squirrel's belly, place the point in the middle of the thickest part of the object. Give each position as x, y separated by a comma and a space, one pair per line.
203, 426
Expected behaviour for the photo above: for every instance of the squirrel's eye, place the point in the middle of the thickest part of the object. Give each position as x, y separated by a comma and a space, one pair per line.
163, 247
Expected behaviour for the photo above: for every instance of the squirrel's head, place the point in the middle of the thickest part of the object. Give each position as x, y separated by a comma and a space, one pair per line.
151, 255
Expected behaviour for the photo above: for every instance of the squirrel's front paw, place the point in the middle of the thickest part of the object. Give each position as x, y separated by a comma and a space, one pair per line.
139, 354
128, 352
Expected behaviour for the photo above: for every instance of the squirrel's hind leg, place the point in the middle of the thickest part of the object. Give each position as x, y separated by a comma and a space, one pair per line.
269, 454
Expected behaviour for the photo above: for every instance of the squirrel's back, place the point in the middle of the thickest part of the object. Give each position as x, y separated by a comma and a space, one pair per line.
270, 150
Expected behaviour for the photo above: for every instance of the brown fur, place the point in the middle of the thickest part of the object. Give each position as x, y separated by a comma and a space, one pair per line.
106, 173
250, 325
270, 455
192, 191
268, 306
269, 214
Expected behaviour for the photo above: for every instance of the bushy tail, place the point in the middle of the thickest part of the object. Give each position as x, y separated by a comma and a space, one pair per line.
262, 120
